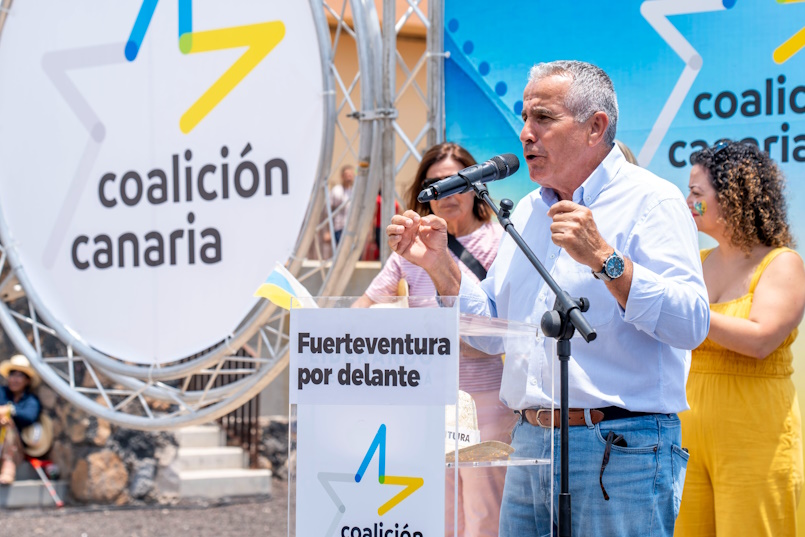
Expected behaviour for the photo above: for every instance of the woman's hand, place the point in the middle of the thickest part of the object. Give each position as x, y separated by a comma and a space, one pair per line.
777, 308
468, 351
5, 415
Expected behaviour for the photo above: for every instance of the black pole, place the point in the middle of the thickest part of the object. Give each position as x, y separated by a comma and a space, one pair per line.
558, 323
563, 351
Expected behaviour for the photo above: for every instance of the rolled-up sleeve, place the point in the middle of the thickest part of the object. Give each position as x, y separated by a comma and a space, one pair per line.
475, 301
26, 411
473, 297
667, 299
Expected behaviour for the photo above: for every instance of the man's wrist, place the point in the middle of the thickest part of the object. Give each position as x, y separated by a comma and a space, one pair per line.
446, 277
611, 268
601, 256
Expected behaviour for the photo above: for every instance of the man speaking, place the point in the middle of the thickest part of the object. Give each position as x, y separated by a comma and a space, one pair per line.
624, 239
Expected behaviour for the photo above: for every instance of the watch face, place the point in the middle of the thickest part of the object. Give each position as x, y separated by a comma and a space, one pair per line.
614, 266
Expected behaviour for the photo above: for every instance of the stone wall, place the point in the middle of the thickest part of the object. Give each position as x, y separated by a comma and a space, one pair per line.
273, 448
105, 463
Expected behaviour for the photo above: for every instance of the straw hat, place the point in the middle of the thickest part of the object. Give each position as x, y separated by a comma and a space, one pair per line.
18, 362
37, 438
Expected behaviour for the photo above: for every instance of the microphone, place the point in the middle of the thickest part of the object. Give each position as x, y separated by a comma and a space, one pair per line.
498, 167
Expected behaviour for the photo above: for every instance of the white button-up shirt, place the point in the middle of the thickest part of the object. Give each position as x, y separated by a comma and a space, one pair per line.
641, 357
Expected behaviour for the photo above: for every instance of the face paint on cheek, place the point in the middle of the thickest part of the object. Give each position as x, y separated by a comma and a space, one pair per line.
700, 207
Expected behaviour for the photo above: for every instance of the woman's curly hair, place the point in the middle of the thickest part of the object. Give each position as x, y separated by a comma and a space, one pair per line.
749, 188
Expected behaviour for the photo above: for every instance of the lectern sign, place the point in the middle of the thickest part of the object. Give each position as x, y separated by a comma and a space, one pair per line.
363, 356
150, 178
370, 388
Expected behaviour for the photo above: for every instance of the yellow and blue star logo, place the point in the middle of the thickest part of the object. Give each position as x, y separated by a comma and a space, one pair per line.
259, 39
410, 484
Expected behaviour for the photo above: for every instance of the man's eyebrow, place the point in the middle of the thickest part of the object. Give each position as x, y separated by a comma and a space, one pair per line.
538, 109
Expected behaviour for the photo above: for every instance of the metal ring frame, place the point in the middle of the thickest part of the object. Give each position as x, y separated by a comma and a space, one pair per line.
159, 397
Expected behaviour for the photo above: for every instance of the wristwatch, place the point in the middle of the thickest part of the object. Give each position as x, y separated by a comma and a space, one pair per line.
612, 269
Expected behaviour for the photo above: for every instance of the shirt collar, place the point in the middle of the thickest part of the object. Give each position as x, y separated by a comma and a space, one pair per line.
592, 186
10, 396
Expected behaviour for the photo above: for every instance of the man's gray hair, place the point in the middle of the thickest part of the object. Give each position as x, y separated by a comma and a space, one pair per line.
591, 91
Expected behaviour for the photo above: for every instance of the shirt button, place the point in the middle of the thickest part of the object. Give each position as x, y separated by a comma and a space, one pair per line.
587, 199
553, 256
533, 382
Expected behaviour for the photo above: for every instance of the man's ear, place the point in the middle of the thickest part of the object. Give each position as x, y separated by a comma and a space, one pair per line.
598, 125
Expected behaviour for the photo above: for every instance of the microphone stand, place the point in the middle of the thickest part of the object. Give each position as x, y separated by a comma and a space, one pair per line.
558, 323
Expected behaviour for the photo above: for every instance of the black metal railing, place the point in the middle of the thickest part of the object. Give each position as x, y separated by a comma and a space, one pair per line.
242, 425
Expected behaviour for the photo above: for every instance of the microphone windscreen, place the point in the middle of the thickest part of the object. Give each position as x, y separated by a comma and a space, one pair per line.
507, 164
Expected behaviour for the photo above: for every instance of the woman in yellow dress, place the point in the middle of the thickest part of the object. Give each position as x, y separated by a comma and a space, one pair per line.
743, 430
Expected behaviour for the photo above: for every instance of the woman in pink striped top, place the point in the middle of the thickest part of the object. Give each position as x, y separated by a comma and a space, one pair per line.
469, 220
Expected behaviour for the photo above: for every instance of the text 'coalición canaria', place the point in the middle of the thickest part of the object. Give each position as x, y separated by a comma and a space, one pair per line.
774, 97
208, 182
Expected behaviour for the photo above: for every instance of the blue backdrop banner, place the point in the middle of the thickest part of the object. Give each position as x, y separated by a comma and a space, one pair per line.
687, 73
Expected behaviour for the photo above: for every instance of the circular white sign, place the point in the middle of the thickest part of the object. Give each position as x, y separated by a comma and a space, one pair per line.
156, 160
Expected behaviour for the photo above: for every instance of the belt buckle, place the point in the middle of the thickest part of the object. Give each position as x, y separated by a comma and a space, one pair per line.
539, 413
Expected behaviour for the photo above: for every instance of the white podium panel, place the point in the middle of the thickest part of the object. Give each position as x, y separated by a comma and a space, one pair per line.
377, 418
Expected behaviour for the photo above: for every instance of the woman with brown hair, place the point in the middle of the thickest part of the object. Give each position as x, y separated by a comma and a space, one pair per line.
743, 430
475, 237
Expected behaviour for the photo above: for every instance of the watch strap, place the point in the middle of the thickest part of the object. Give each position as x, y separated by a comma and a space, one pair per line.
603, 276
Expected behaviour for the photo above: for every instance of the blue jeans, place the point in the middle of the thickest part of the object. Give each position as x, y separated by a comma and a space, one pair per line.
643, 480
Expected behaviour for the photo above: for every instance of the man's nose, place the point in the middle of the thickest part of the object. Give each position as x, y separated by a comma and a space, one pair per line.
527, 134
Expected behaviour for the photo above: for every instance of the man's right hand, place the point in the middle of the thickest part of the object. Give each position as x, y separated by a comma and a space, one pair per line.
423, 242
420, 240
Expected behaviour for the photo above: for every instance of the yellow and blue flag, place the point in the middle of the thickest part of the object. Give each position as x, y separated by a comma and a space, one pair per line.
283, 290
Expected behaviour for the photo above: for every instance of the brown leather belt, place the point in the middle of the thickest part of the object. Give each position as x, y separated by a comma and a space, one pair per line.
541, 417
